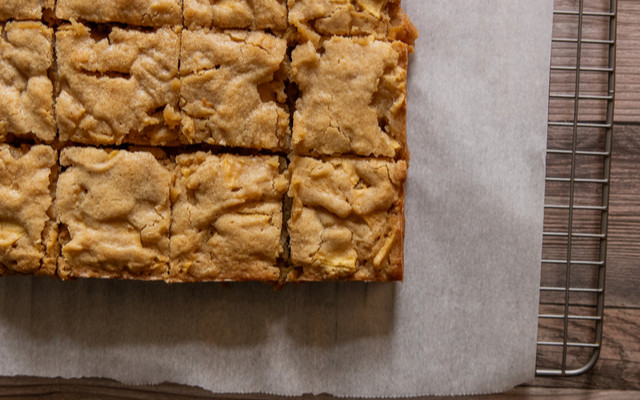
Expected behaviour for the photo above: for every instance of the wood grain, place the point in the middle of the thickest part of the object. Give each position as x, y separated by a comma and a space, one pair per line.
623, 256
628, 62
619, 364
623, 273
564, 394
627, 103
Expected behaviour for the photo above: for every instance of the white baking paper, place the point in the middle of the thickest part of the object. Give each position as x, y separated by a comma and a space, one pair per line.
464, 321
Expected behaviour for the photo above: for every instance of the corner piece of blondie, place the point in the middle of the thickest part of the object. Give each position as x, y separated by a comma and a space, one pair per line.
382, 19
347, 219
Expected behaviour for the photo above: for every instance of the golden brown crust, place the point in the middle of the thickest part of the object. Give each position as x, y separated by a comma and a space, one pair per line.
25, 199
402, 29
236, 14
383, 19
26, 92
132, 12
232, 91
24, 9
227, 218
123, 88
347, 219
352, 98
114, 213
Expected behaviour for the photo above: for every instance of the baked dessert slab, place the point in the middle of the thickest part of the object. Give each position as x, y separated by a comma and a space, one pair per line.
384, 19
24, 9
227, 218
26, 92
114, 214
347, 219
118, 85
132, 12
236, 14
232, 89
28, 236
352, 98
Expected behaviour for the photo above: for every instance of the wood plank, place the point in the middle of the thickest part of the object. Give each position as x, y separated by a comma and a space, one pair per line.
628, 62
623, 271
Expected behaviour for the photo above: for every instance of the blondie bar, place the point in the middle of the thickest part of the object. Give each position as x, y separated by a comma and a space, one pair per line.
232, 90
347, 219
384, 19
24, 9
114, 213
352, 98
26, 92
28, 235
227, 218
118, 86
132, 12
238, 14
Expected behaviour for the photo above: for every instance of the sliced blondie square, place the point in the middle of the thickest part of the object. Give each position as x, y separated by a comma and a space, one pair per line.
236, 14
26, 92
132, 12
384, 19
114, 213
352, 98
28, 235
24, 9
227, 218
117, 86
347, 219
232, 91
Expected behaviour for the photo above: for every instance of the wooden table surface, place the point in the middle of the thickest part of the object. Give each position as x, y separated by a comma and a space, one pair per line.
617, 373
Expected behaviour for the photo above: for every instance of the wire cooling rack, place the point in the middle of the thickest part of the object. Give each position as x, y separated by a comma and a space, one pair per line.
580, 129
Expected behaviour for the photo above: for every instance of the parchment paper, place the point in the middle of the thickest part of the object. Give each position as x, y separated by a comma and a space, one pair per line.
464, 321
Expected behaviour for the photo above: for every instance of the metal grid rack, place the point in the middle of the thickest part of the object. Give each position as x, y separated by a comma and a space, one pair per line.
581, 104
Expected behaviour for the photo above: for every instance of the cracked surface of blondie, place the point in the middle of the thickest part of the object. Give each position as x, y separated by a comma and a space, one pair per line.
352, 98
132, 12
227, 218
384, 19
114, 213
347, 219
232, 91
26, 105
236, 14
24, 9
27, 234
119, 86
